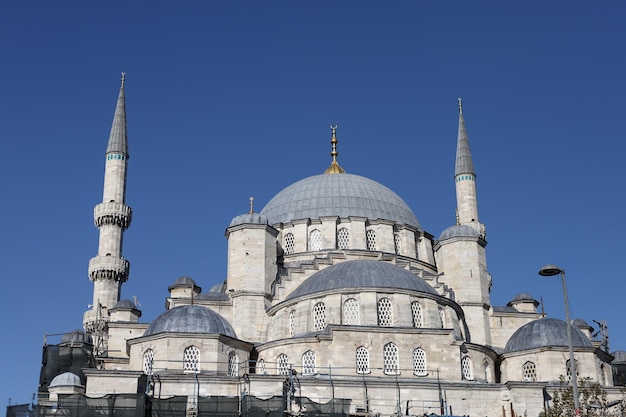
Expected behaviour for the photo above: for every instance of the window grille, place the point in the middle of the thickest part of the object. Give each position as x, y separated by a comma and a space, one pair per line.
319, 316
390, 359
362, 360
343, 238
529, 371
396, 243
569, 374
351, 312
233, 364
416, 309
419, 362
292, 323
283, 364
308, 363
260, 367
370, 236
442, 317
191, 359
148, 362
385, 314
467, 368
289, 243
315, 240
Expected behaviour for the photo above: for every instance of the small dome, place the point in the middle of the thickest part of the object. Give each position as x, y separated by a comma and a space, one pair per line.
523, 297
459, 230
77, 336
184, 281
542, 333
341, 195
361, 274
190, 319
249, 218
581, 324
125, 304
619, 357
66, 379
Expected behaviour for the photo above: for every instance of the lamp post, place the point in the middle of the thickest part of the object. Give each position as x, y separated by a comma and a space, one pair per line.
550, 271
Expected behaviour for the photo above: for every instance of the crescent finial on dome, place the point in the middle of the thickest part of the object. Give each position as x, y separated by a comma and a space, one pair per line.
334, 167
251, 205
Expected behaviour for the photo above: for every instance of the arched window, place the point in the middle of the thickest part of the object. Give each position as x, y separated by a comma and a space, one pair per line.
191, 359
148, 362
362, 360
292, 323
442, 317
467, 368
233, 364
260, 367
289, 243
351, 312
385, 313
315, 240
282, 362
529, 371
370, 236
343, 238
308, 363
390, 359
416, 310
319, 316
396, 243
487, 370
419, 362
569, 374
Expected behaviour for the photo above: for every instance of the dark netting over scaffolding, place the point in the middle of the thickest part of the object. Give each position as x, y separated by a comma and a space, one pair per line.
66, 357
139, 405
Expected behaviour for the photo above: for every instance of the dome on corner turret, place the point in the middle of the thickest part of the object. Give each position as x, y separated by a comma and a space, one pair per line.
249, 218
459, 230
341, 195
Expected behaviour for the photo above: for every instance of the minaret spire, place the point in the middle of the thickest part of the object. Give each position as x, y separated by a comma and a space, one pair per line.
465, 179
334, 167
108, 270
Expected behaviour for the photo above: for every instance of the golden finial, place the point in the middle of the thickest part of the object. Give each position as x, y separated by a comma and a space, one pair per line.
334, 167
251, 205
456, 213
123, 78
460, 105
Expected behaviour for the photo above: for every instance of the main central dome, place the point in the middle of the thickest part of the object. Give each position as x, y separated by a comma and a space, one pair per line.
341, 195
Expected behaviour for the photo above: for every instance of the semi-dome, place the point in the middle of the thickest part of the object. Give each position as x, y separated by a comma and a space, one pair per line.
459, 230
66, 379
341, 195
190, 319
77, 336
545, 332
361, 274
581, 324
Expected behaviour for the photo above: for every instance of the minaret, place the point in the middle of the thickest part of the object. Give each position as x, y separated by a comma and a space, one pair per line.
108, 269
465, 180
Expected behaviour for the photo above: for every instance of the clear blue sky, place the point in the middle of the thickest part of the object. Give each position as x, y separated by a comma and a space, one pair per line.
231, 99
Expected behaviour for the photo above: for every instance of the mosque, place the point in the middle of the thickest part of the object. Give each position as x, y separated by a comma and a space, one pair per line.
336, 301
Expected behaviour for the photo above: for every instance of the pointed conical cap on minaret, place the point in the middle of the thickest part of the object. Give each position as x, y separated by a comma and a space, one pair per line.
117, 139
334, 167
464, 163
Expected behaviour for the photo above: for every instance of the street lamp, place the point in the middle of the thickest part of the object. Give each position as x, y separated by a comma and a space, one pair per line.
550, 271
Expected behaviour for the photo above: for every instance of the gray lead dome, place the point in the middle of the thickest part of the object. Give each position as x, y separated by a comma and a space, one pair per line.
361, 274
340, 195
190, 319
543, 333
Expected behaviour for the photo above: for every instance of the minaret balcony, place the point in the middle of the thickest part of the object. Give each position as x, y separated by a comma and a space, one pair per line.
112, 213
108, 267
